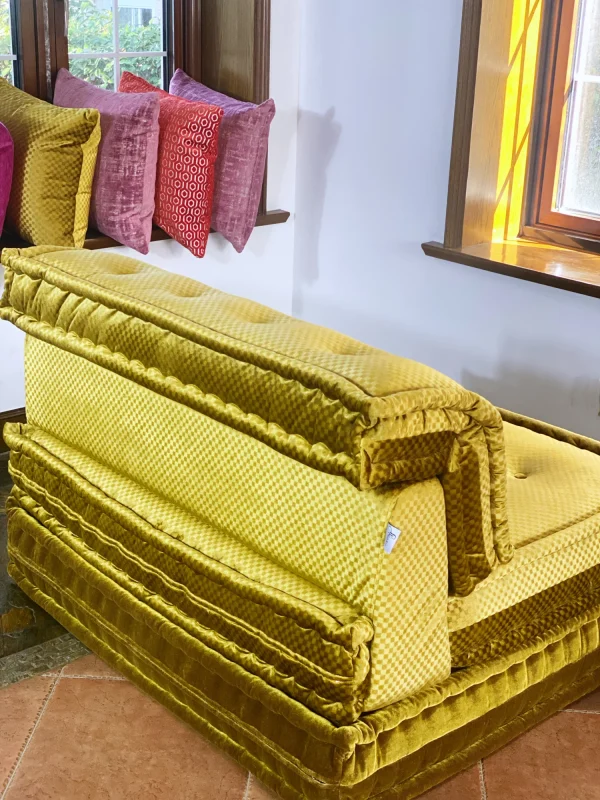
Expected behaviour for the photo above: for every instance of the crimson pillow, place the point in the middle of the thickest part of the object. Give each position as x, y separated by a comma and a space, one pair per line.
185, 176
6, 170
124, 183
240, 167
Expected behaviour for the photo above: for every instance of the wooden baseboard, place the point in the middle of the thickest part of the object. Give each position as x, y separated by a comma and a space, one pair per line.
16, 415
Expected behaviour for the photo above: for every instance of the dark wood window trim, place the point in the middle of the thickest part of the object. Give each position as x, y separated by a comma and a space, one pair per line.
530, 249
223, 43
543, 222
16, 415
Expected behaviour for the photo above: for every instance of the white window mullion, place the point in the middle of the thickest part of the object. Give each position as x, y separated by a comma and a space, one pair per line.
117, 72
581, 78
140, 54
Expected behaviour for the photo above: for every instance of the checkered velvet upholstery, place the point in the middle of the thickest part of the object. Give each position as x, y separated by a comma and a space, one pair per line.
272, 518
235, 471
314, 395
554, 514
55, 160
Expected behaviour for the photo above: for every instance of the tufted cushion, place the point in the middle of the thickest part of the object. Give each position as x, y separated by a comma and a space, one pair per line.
186, 165
6, 170
317, 396
123, 193
55, 157
247, 497
553, 499
240, 167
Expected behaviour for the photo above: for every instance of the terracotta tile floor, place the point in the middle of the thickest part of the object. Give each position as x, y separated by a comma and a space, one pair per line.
86, 733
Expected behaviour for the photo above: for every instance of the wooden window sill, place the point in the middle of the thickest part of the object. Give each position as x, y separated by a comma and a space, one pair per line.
549, 264
97, 241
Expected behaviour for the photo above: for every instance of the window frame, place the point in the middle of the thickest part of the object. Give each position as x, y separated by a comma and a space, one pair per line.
554, 77
498, 124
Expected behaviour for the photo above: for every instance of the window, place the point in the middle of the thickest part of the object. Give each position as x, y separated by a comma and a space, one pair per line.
568, 195
107, 37
524, 188
8, 56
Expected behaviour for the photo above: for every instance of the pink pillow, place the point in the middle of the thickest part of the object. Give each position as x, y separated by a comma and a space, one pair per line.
6, 170
240, 167
123, 193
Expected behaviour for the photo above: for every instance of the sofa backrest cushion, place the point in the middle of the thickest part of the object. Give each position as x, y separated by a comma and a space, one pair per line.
317, 396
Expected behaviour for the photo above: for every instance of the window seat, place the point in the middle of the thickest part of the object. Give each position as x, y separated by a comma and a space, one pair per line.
95, 240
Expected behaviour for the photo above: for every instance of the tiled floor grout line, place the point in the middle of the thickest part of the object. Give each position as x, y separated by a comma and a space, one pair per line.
27, 742
92, 678
482, 785
579, 711
246, 790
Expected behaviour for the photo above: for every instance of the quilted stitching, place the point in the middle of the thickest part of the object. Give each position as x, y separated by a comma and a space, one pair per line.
315, 525
312, 394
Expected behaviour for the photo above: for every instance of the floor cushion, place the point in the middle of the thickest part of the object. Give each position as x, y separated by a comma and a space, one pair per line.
290, 539
553, 496
259, 502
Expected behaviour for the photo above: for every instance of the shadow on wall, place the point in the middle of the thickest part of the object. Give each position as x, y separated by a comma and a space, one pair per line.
573, 404
318, 137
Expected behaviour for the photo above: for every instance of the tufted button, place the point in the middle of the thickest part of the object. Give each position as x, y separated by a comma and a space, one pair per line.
520, 475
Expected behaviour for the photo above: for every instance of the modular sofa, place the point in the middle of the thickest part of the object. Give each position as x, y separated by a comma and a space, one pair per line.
350, 573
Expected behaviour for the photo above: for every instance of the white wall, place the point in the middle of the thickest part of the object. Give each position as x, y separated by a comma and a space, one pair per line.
376, 109
264, 271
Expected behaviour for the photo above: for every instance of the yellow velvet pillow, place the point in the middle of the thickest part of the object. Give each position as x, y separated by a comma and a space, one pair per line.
55, 158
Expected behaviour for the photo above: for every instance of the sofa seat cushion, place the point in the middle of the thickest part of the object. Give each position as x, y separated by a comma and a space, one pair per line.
554, 514
314, 395
311, 524
274, 624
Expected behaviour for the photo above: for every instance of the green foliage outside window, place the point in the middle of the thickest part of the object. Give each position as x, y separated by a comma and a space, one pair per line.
91, 31
5, 40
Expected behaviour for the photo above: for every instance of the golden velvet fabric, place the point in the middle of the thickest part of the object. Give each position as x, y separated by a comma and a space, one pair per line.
314, 395
398, 751
521, 623
55, 159
315, 525
401, 596
203, 493
553, 502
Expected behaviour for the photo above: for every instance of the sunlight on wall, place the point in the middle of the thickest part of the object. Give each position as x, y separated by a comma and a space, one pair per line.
516, 124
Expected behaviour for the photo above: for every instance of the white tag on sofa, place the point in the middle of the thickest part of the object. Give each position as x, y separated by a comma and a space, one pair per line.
391, 537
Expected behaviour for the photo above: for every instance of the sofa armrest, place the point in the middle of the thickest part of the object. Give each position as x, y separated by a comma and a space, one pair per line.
316, 396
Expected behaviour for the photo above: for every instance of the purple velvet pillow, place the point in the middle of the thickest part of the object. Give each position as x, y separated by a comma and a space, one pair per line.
6, 170
123, 193
240, 167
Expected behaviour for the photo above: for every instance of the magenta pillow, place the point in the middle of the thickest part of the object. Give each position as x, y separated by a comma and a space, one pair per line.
123, 193
6, 170
240, 167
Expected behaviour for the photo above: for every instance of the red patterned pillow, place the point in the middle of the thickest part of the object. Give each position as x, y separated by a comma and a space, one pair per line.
185, 174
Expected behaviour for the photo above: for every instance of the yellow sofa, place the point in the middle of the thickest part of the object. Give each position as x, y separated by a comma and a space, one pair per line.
347, 571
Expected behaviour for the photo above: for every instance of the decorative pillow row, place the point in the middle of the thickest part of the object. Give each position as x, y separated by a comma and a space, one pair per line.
186, 160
